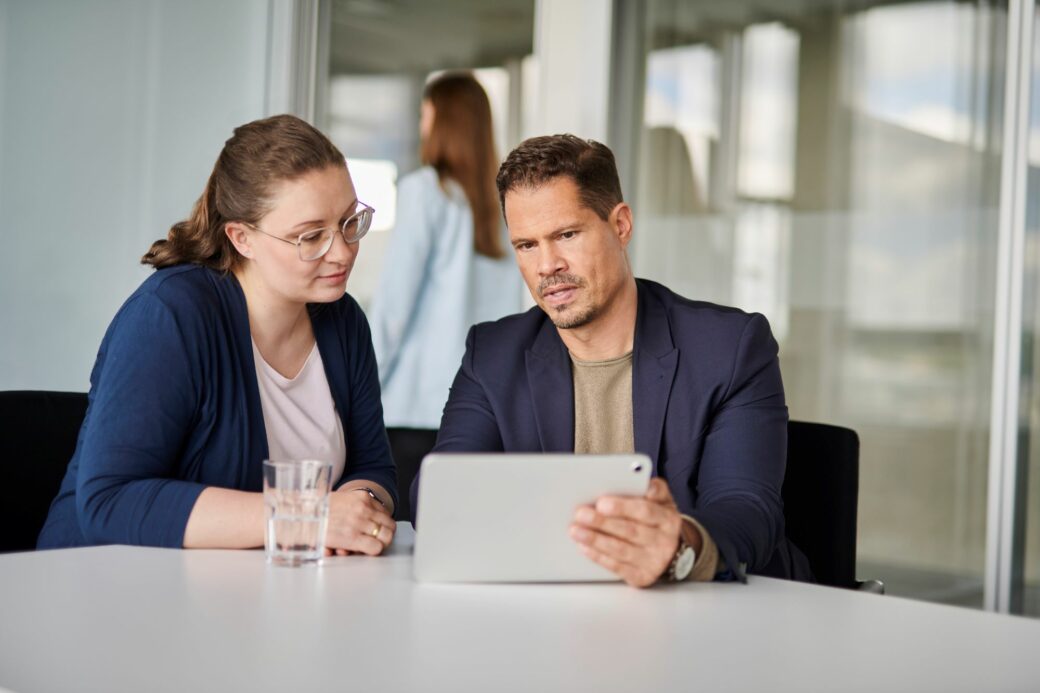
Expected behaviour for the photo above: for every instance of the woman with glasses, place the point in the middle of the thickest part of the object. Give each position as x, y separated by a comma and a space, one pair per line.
243, 345
446, 266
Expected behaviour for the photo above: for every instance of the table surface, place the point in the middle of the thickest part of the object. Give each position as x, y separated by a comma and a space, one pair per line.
119, 618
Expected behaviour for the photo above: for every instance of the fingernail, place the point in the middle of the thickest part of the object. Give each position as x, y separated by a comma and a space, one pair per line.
585, 515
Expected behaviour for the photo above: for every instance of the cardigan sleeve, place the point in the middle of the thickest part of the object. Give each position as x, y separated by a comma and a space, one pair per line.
368, 449
144, 403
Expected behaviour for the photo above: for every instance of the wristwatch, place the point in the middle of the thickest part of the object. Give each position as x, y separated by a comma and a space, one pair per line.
371, 493
682, 563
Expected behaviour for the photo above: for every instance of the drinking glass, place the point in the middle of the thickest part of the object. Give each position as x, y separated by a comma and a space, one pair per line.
296, 500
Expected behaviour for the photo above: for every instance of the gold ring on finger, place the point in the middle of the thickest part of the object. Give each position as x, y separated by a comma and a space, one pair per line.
375, 531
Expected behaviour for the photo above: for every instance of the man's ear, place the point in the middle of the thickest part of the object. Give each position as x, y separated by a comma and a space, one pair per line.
622, 216
238, 235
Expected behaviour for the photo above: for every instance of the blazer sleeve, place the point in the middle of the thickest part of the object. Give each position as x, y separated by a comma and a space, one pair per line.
744, 457
368, 449
144, 403
468, 423
403, 276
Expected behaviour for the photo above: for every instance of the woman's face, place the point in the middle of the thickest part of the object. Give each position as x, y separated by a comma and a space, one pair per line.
426, 114
319, 199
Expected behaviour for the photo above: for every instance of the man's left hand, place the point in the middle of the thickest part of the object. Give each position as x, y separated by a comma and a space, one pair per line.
634, 538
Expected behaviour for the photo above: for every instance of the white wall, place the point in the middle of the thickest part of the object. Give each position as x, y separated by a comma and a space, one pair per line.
112, 113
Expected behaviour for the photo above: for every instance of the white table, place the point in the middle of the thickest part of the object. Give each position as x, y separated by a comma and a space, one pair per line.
120, 618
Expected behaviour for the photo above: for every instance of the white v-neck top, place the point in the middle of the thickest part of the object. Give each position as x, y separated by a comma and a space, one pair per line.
299, 414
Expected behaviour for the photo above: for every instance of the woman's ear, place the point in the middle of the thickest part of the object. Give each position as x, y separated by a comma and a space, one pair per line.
237, 234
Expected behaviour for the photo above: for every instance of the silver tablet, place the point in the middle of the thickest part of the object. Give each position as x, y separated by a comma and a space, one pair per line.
505, 517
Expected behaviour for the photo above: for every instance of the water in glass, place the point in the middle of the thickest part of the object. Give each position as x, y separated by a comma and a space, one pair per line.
296, 498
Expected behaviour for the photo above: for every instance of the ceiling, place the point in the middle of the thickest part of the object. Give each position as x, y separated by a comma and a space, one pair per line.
679, 22
418, 36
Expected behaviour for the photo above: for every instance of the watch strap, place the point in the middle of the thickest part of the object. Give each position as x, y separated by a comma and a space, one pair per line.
681, 567
372, 493
709, 561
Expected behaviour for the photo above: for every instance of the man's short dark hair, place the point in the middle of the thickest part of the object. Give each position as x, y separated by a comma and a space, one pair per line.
588, 163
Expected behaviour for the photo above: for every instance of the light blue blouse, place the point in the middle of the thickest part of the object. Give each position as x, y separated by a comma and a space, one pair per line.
433, 287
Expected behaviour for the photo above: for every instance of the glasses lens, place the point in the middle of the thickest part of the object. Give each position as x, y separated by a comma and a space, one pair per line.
355, 228
315, 244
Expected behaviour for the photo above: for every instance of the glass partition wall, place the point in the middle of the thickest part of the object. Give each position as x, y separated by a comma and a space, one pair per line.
836, 166
1027, 594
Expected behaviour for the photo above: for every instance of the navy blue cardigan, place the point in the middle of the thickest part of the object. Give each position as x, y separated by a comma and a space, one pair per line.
174, 408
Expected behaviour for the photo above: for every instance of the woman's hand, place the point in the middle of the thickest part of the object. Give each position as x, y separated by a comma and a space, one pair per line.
357, 524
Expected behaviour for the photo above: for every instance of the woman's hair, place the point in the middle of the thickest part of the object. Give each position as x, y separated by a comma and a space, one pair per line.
461, 146
259, 155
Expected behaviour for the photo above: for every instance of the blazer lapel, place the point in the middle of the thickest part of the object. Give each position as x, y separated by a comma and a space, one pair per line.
552, 390
654, 362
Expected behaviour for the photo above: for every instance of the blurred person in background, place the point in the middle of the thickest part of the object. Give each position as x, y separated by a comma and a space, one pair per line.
446, 266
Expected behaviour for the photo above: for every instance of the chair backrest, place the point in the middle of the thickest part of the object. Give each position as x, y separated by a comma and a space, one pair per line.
820, 493
38, 432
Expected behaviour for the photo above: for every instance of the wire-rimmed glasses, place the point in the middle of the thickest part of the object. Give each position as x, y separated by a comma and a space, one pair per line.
313, 245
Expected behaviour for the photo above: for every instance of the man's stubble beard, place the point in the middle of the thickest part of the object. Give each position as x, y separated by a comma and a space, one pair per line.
579, 319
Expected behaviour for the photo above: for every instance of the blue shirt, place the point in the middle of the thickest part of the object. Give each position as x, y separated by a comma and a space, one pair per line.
174, 407
433, 287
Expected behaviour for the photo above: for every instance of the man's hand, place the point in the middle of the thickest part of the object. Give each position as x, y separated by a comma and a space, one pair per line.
357, 524
634, 538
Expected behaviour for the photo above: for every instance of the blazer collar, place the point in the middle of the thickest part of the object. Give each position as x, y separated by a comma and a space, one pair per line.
552, 389
654, 362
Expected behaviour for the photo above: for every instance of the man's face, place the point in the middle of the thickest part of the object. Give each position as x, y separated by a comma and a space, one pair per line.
573, 261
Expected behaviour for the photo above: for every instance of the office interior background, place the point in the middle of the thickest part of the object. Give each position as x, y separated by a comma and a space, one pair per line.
863, 173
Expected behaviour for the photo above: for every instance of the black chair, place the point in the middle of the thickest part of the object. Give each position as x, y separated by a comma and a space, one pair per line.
821, 492
409, 446
38, 432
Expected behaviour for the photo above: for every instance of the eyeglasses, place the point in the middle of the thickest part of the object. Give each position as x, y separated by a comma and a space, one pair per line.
313, 245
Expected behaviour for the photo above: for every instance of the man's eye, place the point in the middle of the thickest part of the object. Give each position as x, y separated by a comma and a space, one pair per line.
568, 234
524, 246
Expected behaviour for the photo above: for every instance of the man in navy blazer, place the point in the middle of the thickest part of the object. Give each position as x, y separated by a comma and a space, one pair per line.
706, 401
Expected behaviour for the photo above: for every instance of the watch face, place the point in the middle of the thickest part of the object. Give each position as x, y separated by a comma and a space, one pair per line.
684, 563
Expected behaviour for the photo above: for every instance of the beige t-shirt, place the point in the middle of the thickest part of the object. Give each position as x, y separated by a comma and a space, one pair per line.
603, 424
603, 406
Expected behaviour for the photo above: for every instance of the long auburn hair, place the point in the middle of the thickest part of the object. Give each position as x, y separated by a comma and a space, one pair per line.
258, 156
461, 146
